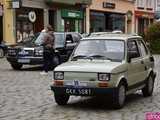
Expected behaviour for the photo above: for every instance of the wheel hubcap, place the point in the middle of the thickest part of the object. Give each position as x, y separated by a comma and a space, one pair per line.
121, 95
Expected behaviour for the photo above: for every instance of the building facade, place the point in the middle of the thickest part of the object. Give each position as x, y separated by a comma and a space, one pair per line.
144, 15
109, 15
1, 21
157, 10
24, 18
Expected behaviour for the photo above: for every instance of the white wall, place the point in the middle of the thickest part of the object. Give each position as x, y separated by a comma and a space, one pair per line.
145, 3
157, 5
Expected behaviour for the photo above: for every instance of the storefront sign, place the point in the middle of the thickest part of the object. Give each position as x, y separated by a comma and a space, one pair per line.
144, 14
16, 4
109, 5
1, 10
32, 16
72, 14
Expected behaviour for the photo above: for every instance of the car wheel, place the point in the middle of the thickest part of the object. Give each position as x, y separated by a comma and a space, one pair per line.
120, 96
148, 89
61, 99
1, 53
16, 66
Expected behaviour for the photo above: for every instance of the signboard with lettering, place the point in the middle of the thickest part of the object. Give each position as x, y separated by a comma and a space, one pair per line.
109, 5
72, 14
144, 14
16, 4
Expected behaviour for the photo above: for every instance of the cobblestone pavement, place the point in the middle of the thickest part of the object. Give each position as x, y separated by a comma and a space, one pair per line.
26, 95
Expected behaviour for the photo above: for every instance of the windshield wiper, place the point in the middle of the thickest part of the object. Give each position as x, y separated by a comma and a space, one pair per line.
101, 56
78, 56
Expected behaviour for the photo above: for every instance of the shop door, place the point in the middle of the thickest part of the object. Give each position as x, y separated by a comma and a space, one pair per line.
140, 25
1, 29
69, 25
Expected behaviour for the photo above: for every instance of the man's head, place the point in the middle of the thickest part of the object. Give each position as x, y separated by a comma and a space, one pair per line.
49, 28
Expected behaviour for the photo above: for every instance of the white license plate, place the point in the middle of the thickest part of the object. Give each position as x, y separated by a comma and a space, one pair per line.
23, 60
78, 91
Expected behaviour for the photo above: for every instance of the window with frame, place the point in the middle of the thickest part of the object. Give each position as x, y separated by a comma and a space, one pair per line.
143, 48
133, 48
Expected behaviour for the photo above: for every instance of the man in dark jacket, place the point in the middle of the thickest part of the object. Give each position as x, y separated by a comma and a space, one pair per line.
48, 46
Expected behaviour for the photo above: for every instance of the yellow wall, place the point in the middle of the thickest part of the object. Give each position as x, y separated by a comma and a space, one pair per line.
1, 1
121, 6
8, 23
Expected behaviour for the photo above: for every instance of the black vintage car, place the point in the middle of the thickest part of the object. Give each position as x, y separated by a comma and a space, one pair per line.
30, 52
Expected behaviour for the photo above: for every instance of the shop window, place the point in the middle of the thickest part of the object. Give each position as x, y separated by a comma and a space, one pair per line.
101, 22
26, 28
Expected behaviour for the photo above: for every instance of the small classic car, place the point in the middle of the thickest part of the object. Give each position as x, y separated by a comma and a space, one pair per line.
30, 52
108, 64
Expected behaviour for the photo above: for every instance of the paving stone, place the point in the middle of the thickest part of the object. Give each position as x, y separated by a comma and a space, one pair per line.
26, 95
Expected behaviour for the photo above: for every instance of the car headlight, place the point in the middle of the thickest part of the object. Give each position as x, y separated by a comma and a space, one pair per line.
11, 52
103, 76
38, 52
58, 75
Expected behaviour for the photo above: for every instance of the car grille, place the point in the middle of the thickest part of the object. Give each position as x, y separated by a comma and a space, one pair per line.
12, 52
20, 52
26, 53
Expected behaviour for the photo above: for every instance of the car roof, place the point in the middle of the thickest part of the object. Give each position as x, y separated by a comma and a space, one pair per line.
113, 36
66, 32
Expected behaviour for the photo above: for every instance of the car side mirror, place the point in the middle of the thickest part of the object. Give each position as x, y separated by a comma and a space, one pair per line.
68, 41
131, 55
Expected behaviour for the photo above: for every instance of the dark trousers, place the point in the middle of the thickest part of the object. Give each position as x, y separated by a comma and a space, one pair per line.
47, 59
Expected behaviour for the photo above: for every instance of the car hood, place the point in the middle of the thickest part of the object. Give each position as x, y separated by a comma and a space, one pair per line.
22, 45
92, 66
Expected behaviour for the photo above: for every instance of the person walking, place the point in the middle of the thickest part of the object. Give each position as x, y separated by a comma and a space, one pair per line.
48, 49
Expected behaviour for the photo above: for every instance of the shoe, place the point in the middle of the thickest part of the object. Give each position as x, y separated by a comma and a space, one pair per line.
44, 73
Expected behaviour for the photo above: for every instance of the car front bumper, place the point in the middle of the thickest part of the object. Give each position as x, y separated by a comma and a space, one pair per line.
26, 60
86, 91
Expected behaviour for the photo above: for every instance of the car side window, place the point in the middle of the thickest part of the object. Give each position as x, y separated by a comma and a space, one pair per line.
133, 48
143, 48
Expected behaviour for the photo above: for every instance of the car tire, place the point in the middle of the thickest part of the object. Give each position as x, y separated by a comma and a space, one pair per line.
119, 96
148, 89
61, 99
16, 66
1, 53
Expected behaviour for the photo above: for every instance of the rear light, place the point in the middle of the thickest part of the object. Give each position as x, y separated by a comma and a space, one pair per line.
102, 84
58, 82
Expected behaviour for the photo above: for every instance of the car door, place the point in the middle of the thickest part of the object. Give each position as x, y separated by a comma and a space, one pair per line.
135, 66
70, 44
145, 58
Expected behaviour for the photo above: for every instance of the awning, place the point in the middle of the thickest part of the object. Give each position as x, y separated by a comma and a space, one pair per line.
70, 2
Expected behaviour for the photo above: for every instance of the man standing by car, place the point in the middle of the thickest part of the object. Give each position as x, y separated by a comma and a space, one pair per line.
48, 52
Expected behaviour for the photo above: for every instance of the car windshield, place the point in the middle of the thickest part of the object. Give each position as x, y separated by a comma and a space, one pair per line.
100, 49
59, 39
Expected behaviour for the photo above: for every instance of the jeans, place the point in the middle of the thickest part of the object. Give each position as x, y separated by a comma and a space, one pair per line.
47, 59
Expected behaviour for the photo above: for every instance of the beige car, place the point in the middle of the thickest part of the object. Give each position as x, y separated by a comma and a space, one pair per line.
106, 64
